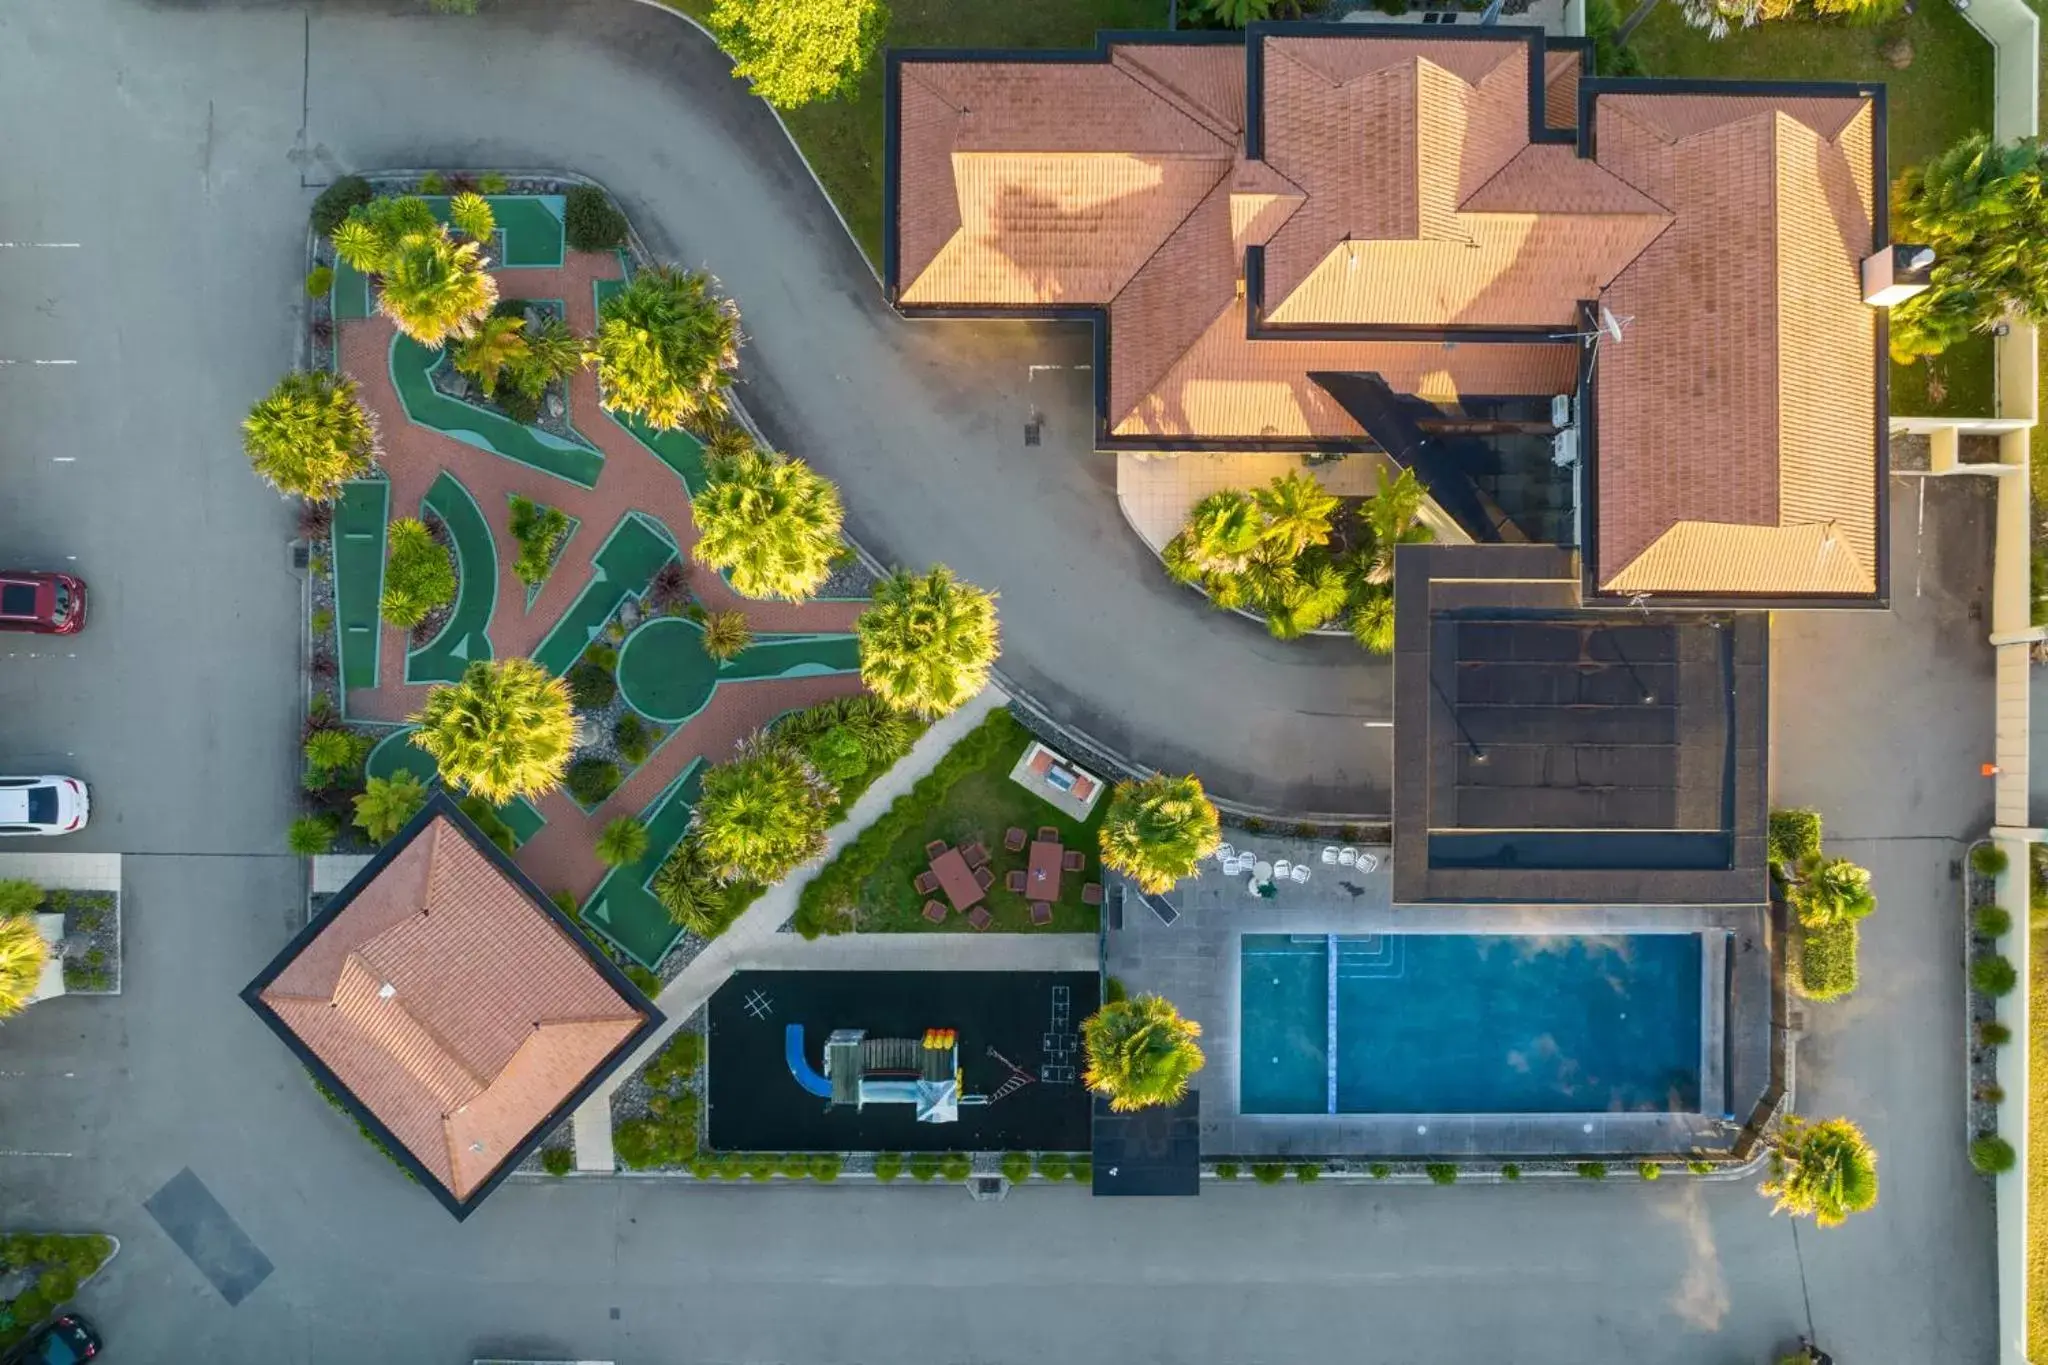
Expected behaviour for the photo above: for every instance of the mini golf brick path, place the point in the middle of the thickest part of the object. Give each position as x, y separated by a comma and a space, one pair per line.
562, 856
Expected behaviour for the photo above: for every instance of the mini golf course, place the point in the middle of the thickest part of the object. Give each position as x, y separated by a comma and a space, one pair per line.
466, 635
412, 367
666, 676
623, 567
360, 515
622, 908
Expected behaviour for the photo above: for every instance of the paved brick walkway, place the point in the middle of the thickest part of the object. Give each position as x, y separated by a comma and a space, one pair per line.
561, 856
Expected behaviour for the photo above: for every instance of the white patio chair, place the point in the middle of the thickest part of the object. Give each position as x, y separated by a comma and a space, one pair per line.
1329, 855
1224, 853
1230, 865
1368, 862
1347, 857
1280, 866
1299, 872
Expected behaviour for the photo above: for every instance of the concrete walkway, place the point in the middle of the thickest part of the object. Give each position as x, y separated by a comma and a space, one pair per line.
756, 938
963, 952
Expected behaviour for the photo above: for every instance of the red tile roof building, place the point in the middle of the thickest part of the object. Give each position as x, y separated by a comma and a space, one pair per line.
1244, 216
451, 1006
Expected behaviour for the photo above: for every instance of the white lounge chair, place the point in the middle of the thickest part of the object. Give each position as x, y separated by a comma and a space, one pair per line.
1368, 862
1224, 853
1346, 857
1329, 855
1231, 866
1299, 872
1280, 866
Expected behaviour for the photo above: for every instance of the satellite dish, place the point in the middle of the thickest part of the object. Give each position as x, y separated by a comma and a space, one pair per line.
1610, 324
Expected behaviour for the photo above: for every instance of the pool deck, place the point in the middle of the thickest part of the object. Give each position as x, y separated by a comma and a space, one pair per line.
1194, 962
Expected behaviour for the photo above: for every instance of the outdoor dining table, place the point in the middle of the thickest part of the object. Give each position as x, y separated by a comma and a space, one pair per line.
1042, 881
956, 878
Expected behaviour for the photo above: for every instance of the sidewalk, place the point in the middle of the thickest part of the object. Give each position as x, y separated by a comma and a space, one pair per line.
930, 953
756, 938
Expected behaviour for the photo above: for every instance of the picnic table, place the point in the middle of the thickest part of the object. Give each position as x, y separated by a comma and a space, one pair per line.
1042, 878
956, 878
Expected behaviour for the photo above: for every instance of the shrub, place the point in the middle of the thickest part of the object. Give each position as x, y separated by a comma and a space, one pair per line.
956, 1165
333, 203
1307, 1172
1226, 1170
924, 1166
837, 755
1988, 860
1994, 921
1993, 1034
310, 835
1991, 1094
793, 1166
1794, 837
1993, 976
630, 734
1268, 1172
591, 688
592, 780
1053, 1166
888, 1165
1379, 1170
622, 841
1016, 1167
591, 222
386, 803
557, 1160
792, 52
648, 983
489, 823
491, 182
726, 634
825, 1167
1992, 1155
1084, 1169
1441, 1173
19, 896
419, 573
1649, 1170
1511, 1172
1827, 961
433, 182
309, 436
319, 280
761, 814
539, 531
1698, 1167
1592, 1170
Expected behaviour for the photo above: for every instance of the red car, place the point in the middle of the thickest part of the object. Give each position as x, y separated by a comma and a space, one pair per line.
47, 603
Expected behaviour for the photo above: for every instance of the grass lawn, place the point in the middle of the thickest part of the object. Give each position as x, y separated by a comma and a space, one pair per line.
2037, 1150
968, 796
843, 138
1942, 97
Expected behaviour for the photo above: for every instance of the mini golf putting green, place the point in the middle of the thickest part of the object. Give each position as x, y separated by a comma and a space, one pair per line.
465, 636
622, 908
412, 367
397, 753
666, 676
359, 518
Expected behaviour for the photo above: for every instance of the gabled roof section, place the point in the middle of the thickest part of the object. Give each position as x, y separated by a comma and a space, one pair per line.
451, 1006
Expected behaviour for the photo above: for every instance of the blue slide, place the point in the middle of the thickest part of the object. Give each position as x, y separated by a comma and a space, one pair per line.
800, 1066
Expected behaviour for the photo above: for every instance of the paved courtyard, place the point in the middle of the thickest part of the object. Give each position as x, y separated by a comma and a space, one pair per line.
180, 706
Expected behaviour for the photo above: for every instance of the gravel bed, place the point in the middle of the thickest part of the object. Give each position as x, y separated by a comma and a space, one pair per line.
1982, 1107
91, 946
850, 578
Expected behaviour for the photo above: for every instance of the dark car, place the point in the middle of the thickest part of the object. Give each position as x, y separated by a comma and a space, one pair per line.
64, 1341
47, 603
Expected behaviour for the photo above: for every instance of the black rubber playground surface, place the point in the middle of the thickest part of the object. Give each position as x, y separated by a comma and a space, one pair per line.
757, 1105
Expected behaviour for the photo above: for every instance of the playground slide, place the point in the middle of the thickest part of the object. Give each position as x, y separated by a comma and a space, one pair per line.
800, 1066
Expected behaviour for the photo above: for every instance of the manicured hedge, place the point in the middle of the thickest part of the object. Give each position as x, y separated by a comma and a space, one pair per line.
1827, 961
1795, 835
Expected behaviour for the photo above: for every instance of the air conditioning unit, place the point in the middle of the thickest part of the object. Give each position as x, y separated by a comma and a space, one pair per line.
1564, 448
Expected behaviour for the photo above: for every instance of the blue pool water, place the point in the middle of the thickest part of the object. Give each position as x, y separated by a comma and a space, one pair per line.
1469, 1024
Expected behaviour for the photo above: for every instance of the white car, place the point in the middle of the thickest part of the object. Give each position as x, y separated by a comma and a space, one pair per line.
42, 805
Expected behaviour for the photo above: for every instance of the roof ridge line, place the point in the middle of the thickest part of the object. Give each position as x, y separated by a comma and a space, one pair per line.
1170, 234
1182, 102
1583, 160
433, 1035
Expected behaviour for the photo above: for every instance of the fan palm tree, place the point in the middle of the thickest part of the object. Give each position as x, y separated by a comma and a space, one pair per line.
689, 888
1390, 521
22, 955
1158, 829
666, 348
498, 344
1829, 891
552, 352
762, 814
1222, 530
309, 836
1297, 509
1372, 620
622, 841
504, 730
1824, 1171
365, 238
1238, 13
433, 288
310, 436
471, 214
773, 522
1140, 1052
386, 803
927, 641
1310, 593
726, 633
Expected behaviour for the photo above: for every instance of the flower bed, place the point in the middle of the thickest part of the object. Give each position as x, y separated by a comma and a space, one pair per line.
39, 1273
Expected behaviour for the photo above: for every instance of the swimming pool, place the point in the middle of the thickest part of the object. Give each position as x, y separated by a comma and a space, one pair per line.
1469, 1024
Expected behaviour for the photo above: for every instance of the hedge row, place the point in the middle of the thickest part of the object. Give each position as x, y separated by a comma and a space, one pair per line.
1794, 837
1827, 960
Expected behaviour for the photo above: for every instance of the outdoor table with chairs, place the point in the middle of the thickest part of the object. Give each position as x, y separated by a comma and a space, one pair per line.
963, 876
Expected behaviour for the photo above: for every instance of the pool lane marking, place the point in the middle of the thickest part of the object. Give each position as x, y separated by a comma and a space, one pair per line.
1331, 1043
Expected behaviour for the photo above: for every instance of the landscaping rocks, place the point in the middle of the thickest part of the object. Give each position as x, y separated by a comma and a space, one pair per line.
91, 946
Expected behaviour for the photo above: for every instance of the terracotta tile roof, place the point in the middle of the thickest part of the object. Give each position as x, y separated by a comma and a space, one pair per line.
451, 1006
1397, 186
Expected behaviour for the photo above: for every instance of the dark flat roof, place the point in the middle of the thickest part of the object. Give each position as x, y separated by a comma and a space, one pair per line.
1151, 1152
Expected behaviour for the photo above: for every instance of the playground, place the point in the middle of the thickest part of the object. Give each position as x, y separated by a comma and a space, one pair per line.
626, 490
948, 1061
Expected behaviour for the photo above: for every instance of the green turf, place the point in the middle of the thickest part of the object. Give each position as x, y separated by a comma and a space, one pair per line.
466, 636
359, 517
532, 224
396, 752
624, 565
842, 139
622, 908
1944, 96
411, 366
351, 292
666, 676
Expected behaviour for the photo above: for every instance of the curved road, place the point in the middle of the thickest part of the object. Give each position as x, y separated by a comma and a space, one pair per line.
922, 424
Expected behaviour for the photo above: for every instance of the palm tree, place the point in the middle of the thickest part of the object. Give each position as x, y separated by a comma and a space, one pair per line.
726, 633
1390, 521
386, 803
364, 239
309, 836
1829, 891
927, 641
622, 841
310, 436
472, 216
1825, 1171
432, 288
552, 352
761, 814
1238, 13
1310, 593
689, 888
666, 347
1222, 530
1141, 1052
773, 522
1372, 620
504, 730
22, 955
1158, 829
497, 344
727, 440
1297, 509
